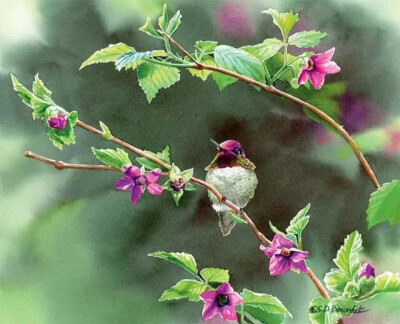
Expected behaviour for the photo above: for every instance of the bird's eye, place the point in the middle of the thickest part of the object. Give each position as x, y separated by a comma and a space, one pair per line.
218, 149
237, 151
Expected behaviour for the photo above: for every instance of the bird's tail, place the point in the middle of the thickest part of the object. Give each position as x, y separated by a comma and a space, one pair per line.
225, 222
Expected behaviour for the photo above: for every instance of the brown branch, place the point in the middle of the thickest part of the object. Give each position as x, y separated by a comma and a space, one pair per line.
59, 165
283, 94
202, 183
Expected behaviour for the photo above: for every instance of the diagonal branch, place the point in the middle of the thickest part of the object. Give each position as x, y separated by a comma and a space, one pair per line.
202, 183
283, 94
206, 185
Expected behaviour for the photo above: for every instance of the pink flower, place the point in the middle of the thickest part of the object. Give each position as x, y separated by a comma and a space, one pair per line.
58, 122
284, 256
221, 301
316, 67
137, 182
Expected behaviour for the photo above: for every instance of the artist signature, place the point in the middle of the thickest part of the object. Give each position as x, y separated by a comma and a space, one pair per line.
337, 309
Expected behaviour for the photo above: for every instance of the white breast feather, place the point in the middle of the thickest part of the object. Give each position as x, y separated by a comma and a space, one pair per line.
237, 184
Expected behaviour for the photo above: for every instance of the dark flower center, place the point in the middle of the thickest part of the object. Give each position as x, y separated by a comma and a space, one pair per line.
178, 184
310, 65
222, 300
140, 181
285, 252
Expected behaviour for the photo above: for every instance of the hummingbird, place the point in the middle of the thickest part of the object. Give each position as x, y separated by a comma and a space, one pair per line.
232, 174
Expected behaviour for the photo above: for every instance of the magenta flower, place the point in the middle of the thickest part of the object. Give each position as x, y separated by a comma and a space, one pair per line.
284, 256
58, 122
221, 301
137, 182
316, 67
366, 270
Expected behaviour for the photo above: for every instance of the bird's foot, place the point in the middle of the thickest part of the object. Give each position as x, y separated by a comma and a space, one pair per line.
223, 199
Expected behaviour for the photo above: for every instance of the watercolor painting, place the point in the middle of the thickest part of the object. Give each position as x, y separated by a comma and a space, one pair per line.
225, 161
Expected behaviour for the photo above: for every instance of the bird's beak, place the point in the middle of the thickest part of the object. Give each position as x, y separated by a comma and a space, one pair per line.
214, 142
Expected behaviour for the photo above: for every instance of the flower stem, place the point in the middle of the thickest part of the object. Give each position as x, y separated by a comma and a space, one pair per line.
283, 94
59, 165
318, 284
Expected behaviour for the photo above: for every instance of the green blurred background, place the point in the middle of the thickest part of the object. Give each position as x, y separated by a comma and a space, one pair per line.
74, 250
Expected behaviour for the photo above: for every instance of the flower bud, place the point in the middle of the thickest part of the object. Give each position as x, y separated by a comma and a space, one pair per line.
366, 270
178, 184
58, 122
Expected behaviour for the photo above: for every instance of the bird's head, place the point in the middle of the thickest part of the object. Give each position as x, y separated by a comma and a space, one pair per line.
228, 153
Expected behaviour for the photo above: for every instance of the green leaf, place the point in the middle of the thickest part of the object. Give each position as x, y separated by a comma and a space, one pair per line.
347, 256
351, 290
387, 282
299, 222
163, 20
203, 74
190, 289
174, 23
177, 195
73, 118
40, 90
215, 275
316, 310
343, 308
239, 61
290, 75
106, 131
164, 156
284, 20
187, 174
309, 38
190, 187
322, 311
257, 316
38, 105
108, 54
184, 260
148, 28
275, 229
54, 138
384, 204
153, 77
336, 280
265, 50
113, 158
223, 80
266, 303
174, 172
293, 238
236, 219
133, 59
206, 46
367, 286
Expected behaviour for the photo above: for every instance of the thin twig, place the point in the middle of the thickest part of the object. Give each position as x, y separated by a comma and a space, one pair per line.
283, 94
318, 284
59, 165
